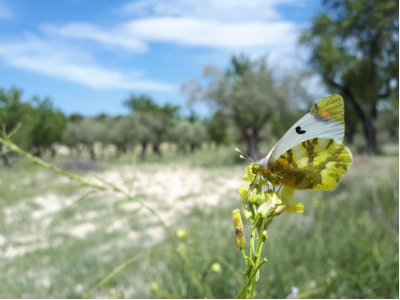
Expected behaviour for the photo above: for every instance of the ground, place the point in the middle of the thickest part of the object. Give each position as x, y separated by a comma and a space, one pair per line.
59, 239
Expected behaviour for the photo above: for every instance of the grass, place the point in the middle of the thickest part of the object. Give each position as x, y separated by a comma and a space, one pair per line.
58, 240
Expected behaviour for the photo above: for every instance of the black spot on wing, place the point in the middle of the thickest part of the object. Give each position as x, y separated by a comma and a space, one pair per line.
299, 131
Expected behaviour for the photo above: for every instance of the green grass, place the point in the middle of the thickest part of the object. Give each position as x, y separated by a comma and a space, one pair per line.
57, 243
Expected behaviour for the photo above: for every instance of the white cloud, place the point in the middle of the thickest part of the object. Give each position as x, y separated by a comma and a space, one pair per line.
134, 35
196, 32
5, 12
223, 10
72, 65
91, 32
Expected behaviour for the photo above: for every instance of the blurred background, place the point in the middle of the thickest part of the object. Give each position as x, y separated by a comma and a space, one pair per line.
153, 96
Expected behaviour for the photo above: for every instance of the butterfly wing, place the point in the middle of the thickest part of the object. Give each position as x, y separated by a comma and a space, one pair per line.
325, 120
313, 164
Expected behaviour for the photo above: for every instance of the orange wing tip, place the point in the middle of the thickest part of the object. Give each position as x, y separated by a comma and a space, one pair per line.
329, 108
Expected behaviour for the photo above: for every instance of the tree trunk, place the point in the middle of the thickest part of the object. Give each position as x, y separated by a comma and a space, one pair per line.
4, 157
370, 133
183, 149
143, 154
350, 132
53, 152
368, 122
252, 139
156, 149
92, 154
192, 148
38, 152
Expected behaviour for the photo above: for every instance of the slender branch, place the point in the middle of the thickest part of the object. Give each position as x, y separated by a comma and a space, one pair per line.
120, 268
202, 286
250, 279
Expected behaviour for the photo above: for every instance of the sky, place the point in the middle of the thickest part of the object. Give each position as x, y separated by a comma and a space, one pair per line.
88, 56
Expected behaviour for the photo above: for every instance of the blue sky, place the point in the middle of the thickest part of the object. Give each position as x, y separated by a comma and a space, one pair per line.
89, 55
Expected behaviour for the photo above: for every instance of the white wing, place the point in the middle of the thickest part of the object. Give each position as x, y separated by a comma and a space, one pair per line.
325, 120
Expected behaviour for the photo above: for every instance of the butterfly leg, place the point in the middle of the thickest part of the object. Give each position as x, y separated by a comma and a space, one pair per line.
279, 188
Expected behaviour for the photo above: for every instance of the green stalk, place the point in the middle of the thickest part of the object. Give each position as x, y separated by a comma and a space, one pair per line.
194, 275
250, 279
257, 255
249, 261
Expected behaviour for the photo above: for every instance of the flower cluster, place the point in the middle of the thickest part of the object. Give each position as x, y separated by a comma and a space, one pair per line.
265, 204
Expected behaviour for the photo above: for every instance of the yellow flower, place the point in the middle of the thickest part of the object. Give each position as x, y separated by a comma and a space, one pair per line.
216, 267
240, 239
244, 194
181, 233
291, 205
294, 207
249, 177
287, 193
266, 208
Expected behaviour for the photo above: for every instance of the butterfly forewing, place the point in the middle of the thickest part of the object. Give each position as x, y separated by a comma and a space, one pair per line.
313, 164
325, 120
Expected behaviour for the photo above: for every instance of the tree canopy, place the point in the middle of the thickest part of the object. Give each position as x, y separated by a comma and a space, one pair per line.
355, 47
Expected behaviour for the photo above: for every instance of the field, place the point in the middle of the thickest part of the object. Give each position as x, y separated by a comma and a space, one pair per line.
58, 240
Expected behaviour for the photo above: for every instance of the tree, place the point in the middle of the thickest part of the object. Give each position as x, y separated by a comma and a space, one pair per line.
12, 112
163, 117
122, 133
188, 134
217, 128
251, 93
87, 133
356, 51
145, 129
48, 126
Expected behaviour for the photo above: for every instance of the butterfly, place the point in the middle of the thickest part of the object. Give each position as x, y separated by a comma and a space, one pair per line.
310, 155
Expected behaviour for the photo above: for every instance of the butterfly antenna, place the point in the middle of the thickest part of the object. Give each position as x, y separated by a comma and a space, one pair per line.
244, 156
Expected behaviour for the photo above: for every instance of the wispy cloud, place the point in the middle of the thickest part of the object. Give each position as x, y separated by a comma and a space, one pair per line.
70, 64
223, 10
196, 32
86, 31
5, 11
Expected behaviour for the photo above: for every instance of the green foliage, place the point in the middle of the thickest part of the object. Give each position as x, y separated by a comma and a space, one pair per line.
122, 133
152, 121
86, 133
188, 134
12, 112
217, 128
48, 126
42, 124
355, 49
252, 93
344, 245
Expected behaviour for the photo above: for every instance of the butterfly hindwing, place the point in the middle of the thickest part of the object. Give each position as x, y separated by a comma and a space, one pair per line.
325, 120
313, 164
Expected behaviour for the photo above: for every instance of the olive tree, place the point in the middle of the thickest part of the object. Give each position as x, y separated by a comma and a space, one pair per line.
251, 93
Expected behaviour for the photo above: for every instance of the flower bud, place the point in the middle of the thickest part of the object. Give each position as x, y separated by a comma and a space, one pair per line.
247, 212
181, 233
265, 209
216, 267
278, 210
254, 197
240, 239
244, 195
260, 198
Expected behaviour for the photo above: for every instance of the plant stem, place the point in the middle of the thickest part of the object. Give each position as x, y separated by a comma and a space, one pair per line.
250, 279
120, 268
250, 263
257, 255
201, 285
